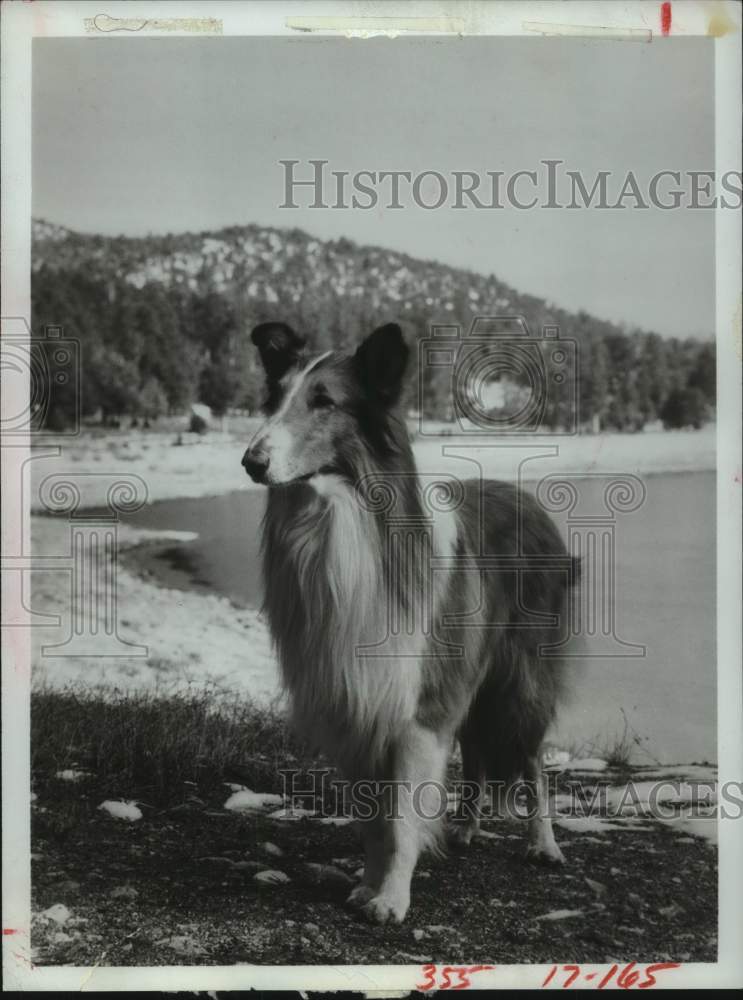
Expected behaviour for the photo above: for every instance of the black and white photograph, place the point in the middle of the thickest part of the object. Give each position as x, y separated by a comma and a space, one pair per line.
372, 493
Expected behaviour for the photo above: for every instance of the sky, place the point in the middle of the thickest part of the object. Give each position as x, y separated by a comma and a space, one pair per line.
135, 136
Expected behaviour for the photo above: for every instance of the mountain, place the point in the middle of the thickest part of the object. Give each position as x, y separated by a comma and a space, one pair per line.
275, 267
209, 288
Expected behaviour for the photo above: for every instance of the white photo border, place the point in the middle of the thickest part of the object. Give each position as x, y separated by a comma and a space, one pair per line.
627, 22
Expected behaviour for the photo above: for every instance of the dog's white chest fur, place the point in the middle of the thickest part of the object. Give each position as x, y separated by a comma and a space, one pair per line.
361, 678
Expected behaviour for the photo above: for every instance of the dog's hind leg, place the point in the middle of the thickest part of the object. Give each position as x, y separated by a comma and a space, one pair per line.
542, 847
466, 821
412, 819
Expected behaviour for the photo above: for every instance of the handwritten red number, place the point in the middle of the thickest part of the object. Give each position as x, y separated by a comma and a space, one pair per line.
550, 975
573, 975
607, 977
464, 979
651, 969
470, 972
462, 973
429, 972
627, 978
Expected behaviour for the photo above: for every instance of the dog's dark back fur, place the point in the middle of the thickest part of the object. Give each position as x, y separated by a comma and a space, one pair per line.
329, 579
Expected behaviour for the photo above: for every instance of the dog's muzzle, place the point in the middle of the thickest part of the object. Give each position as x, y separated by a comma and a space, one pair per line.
256, 462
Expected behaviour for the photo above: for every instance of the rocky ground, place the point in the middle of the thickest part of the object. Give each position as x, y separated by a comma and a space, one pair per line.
188, 881
200, 883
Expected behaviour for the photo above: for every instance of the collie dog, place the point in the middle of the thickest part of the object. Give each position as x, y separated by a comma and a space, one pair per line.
402, 624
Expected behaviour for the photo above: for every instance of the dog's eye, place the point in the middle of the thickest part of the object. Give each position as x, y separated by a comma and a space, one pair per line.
321, 401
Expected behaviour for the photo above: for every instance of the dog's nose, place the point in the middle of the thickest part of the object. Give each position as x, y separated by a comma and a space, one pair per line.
256, 464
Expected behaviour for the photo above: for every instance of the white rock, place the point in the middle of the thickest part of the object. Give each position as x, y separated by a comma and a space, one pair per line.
271, 877
560, 914
406, 956
128, 811
58, 913
292, 813
246, 800
272, 849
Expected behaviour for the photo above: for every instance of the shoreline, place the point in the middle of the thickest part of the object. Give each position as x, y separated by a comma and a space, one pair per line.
193, 635
193, 639
210, 465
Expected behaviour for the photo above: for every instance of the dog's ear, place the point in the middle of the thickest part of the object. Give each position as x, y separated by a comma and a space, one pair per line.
381, 361
279, 347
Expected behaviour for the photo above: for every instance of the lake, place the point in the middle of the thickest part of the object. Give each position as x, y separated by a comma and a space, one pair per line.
665, 601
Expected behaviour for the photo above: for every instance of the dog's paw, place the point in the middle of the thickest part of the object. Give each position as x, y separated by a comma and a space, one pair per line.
459, 835
545, 854
383, 909
360, 895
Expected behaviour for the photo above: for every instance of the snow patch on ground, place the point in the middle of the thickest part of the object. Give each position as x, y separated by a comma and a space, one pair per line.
705, 827
247, 800
128, 811
586, 765
597, 824
560, 915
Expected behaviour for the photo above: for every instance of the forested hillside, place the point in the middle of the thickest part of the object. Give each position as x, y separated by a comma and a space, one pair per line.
164, 321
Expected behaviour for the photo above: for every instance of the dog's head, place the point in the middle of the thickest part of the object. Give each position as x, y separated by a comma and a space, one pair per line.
321, 413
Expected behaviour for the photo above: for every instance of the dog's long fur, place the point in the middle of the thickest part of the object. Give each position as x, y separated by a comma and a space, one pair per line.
479, 589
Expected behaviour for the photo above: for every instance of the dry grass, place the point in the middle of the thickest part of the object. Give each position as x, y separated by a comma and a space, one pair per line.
153, 744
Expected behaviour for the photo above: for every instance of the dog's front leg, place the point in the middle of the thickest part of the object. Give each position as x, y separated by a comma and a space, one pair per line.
413, 809
371, 832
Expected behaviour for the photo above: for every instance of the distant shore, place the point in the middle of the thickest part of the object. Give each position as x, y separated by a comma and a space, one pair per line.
189, 636
176, 465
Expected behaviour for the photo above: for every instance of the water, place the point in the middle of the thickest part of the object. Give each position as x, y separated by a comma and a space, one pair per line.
225, 556
665, 601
